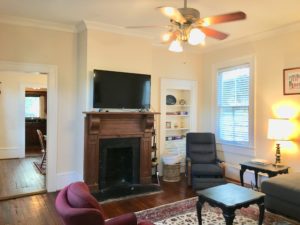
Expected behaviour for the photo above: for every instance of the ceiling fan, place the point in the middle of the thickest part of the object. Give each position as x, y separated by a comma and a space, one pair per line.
187, 26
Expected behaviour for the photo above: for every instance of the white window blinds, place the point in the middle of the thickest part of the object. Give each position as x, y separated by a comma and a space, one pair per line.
233, 91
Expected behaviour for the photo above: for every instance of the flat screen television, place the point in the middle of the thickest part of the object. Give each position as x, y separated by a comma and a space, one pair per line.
120, 90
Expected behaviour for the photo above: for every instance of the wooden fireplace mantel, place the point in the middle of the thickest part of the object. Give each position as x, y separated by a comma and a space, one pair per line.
103, 125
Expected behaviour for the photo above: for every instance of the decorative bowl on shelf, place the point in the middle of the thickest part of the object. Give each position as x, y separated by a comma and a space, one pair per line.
170, 100
182, 102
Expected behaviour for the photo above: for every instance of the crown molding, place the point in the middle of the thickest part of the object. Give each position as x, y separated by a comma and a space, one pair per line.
22, 21
81, 26
92, 25
256, 37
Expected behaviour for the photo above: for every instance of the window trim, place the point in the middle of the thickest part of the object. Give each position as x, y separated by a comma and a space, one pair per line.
242, 149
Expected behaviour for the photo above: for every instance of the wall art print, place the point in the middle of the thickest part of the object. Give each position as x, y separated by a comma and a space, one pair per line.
291, 81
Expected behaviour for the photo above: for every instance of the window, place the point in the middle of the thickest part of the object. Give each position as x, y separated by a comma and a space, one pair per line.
32, 106
233, 106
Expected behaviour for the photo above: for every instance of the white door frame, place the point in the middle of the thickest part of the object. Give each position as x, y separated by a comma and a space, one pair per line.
52, 101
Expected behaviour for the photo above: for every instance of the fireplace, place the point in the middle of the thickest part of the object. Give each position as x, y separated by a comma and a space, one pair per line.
103, 127
119, 162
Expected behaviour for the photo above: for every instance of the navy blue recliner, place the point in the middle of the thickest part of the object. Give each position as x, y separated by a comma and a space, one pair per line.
203, 169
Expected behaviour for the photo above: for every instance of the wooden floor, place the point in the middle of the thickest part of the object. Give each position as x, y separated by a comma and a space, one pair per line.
40, 210
33, 151
20, 177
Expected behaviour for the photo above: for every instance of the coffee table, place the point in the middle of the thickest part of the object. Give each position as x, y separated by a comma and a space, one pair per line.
270, 169
230, 197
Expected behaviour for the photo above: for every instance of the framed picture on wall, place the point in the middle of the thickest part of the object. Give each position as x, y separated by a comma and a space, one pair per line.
291, 81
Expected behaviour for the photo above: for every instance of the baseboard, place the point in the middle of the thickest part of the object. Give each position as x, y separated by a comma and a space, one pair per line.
11, 152
232, 171
64, 179
22, 195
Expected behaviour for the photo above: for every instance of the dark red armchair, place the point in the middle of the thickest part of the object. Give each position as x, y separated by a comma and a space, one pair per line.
77, 206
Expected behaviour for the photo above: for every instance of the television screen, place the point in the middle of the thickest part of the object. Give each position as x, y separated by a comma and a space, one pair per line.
118, 90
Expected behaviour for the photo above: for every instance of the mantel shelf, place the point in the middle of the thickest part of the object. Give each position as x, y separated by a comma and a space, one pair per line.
121, 113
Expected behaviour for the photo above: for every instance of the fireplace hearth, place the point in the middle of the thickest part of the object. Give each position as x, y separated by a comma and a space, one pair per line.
125, 189
119, 167
119, 162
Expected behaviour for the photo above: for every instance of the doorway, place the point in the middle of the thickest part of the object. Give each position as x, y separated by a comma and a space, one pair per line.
19, 115
51, 72
35, 119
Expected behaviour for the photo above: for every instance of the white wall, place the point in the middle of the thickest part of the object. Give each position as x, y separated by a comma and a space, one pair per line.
12, 111
50, 47
272, 55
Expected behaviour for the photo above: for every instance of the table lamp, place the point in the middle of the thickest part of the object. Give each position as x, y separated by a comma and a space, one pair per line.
279, 130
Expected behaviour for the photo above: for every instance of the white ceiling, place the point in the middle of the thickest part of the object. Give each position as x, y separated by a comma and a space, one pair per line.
262, 15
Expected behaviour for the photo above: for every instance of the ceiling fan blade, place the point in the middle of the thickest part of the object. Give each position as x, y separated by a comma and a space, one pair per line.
222, 18
214, 33
172, 13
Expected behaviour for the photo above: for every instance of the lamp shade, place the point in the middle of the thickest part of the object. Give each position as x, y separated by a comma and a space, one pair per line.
196, 36
175, 46
279, 129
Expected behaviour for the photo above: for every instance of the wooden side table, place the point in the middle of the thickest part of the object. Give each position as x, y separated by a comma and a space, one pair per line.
230, 197
270, 169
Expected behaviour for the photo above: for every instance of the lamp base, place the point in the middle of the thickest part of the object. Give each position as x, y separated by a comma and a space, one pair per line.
278, 164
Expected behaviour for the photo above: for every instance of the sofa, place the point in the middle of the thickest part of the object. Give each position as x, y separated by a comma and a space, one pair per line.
283, 195
77, 206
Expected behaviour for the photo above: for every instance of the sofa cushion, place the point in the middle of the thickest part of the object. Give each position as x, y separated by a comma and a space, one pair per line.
285, 187
205, 169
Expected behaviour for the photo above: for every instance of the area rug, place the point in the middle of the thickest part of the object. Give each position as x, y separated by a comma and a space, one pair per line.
184, 212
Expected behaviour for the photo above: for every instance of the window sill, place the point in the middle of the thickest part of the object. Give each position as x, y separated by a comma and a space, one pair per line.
240, 150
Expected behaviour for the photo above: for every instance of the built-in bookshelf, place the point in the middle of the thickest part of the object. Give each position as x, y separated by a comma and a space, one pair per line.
178, 115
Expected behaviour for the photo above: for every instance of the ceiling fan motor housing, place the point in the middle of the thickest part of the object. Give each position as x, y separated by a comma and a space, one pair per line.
190, 14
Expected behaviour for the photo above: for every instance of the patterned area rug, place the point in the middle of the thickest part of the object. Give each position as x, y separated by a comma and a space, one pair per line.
184, 212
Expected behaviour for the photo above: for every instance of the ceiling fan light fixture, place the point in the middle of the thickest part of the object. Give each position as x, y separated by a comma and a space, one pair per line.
166, 37
168, 11
196, 36
175, 46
